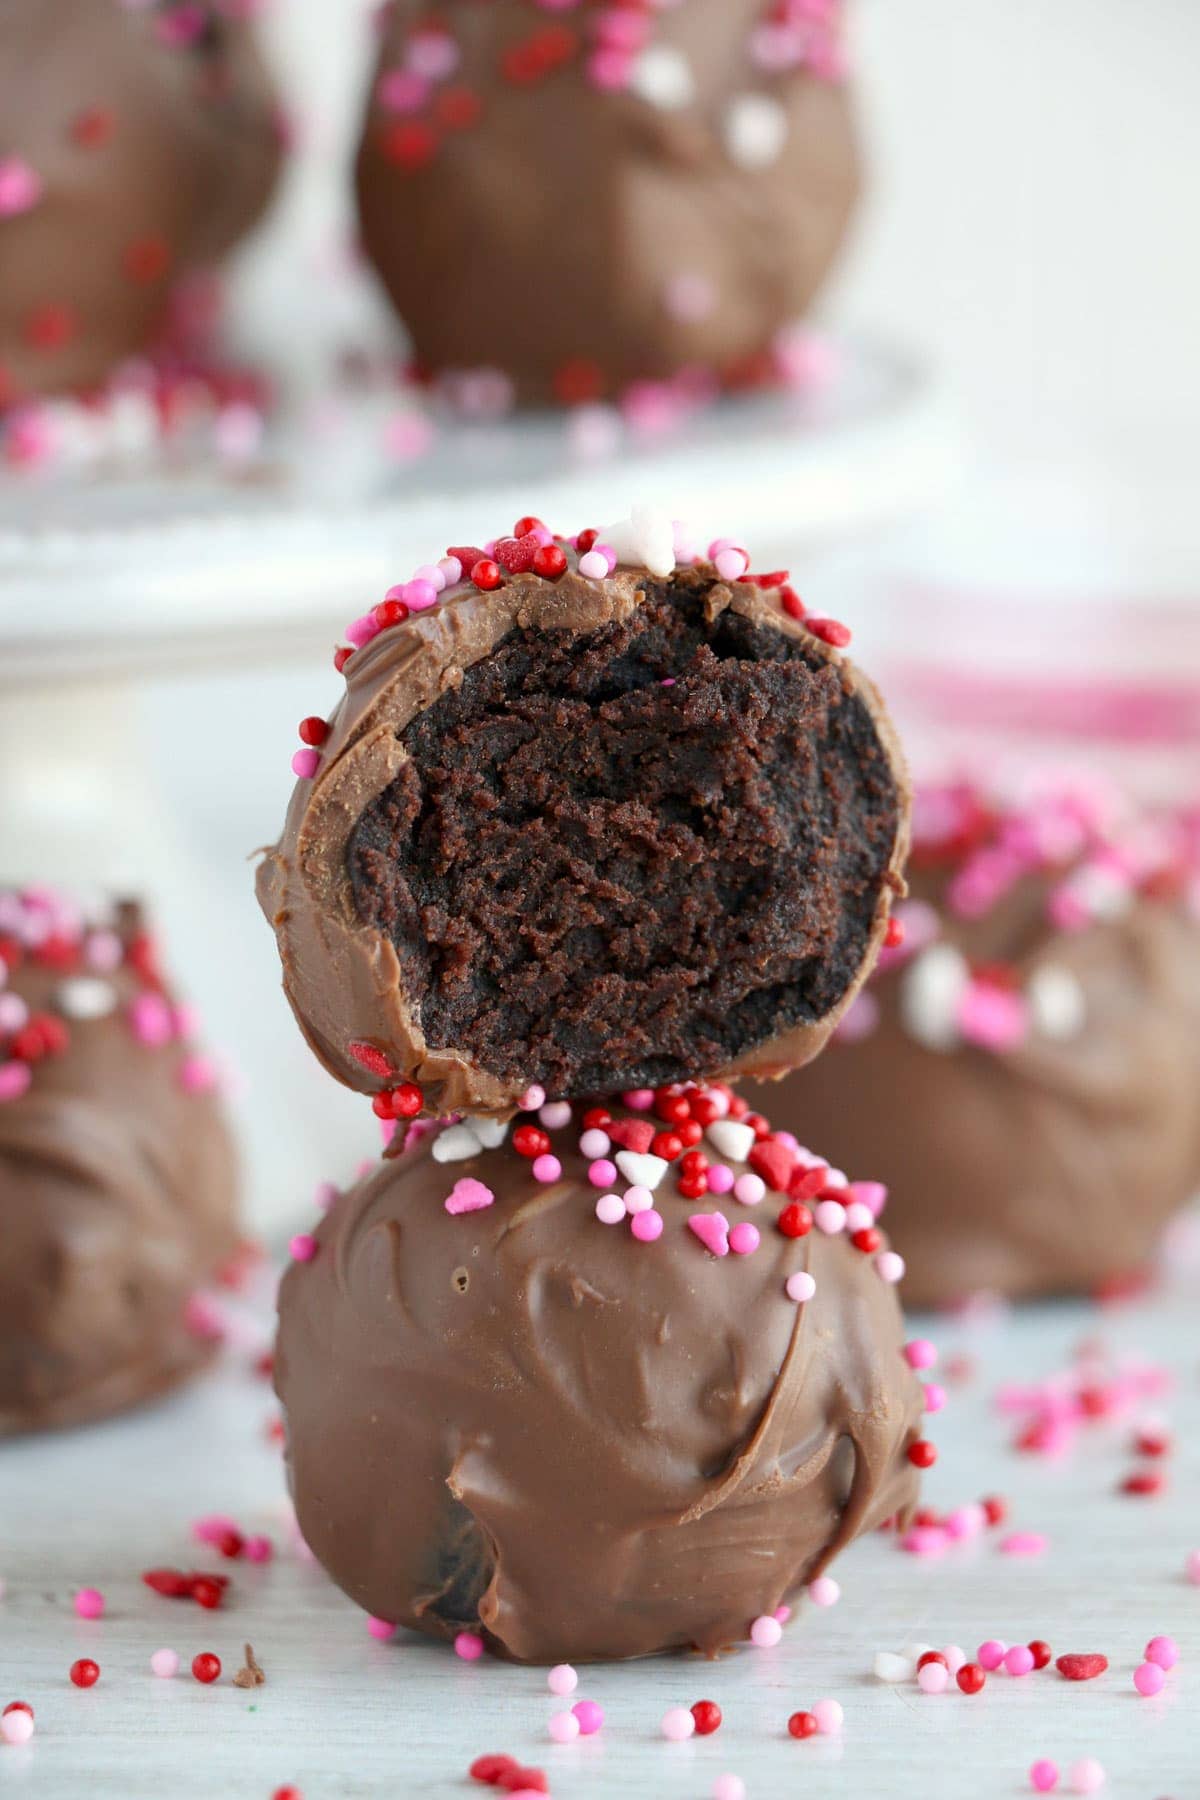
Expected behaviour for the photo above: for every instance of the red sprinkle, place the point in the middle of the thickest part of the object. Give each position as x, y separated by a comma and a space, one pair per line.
772, 1161
517, 1778
795, 1221
1144, 1481
707, 1715
830, 631
486, 574
403, 1102
802, 1725
971, 1678
85, 1673
491, 1768
1041, 1652
17, 1706
206, 1667
549, 561
341, 656
531, 1141
370, 1058
893, 937
1082, 1668
389, 613
868, 1240
995, 1510
922, 1454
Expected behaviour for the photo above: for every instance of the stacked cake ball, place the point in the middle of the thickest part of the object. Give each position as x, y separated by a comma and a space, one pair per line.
596, 1363
117, 1174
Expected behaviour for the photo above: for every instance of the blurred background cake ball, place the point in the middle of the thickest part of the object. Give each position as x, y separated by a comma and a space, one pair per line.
138, 142
583, 196
118, 1182
1022, 1071
596, 1385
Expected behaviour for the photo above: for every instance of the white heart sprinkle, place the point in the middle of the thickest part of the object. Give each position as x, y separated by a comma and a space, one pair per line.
641, 1170
731, 1139
455, 1144
892, 1668
490, 1132
756, 129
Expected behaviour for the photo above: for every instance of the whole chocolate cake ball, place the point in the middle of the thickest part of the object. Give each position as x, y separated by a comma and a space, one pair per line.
598, 1385
1022, 1070
592, 813
588, 197
117, 1174
137, 142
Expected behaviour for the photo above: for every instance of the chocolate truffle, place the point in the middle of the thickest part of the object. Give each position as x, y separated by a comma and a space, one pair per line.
588, 1439
1022, 1072
583, 200
595, 817
117, 1175
136, 143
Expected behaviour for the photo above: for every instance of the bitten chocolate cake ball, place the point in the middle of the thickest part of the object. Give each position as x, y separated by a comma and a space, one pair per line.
1022, 1070
591, 814
137, 142
618, 1380
584, 197
117, 1175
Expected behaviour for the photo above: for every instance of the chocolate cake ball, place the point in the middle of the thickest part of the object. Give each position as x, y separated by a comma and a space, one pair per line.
1022, 1071
617, 1380
587, 197
117, 1175
591, 814
137, 142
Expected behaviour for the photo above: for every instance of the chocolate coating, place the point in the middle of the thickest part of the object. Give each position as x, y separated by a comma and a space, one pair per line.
587, 833
1049, 1161
522, 1421
118, 1190
136, 145
589, 217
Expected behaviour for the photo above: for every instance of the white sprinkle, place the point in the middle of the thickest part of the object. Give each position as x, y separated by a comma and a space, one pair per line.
641, 1170
647, 537
930, 992
84, 997
1056, 1002
731, 1139
663, 77
456, 1144
490, 1132
892, 1668
756, 129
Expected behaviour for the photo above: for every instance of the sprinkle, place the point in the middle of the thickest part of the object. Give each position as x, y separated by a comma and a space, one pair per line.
1087, 1775
468, 1646
468, 1195
1023, 1543
563, 1727
602, 1173
206, 1667
638, 1199
729, 1787
744, 1239
562, 1680
546, 1168
766, 1631
590, 1717
532, 1099
165, 1664
610, 1209
457, 1142
1163, 1651
593, 565
642, 1171
677, 1724
713, 1231
152, 1021
1081, 1668
824, 1591
20, 187
721, 1179
800, 1286
889, 1266
1043, 1776
756, 130
707, 1715
89, 1603
934, 1678
647, 1227
830, 1717
749, 1189
303, 1247
381, 1629
84, 1673
594, 1144
970, 1678
1018, 1660
556, 1114
802, 1725
991, 1654
830, 1217
890, 1667
16, 1725
15, 1080
935, 1396
732, 1139
1149, 1679
919, 1353
305, 764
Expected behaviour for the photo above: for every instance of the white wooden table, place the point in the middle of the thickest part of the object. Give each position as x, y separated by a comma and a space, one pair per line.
343, 1715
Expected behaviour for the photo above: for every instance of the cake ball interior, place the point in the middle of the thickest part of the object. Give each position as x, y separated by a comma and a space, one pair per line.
612, 859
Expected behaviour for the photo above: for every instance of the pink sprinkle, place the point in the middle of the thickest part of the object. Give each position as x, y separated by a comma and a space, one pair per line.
1043, 1776
858, 1217
533, 1098
889, 1266
562, 1680
419, 596
593, 565
468, 1195
721, 1179
766, 1631
305, 764
548, 1168
783, 1614
468, 1645
381, 1630
556, 1114
590, 1717
20, 187
824, 1591
197, 1075
872, 1194
829, 1216
646, 1226
1149, 1679
212, 1527
731, 565
1162, 1650
1023, 1543
152, 1021
934, 1678
638, 1099
800, 1286
602, 1173
935, 1396
89, 1603
638, 1199
965, 1521
729, 1787
678, 1724
165, 1664
16, 1727
258, 1549
925, 1540
1087, 1775
744, 1239
955, 1657
749, 1189
829, 1716
610, 1209
563, 1727
303, 1247
594, 1144
920, 1353
451, 570
991, 1654
361, 631
15, 1078
713, 1231
1018, 1660
994, 1018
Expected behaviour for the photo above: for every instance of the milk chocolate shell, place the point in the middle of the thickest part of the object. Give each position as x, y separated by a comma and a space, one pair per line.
602, 827
1023, 1072
581, 199
117, 1175
588, 1439
136, 143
